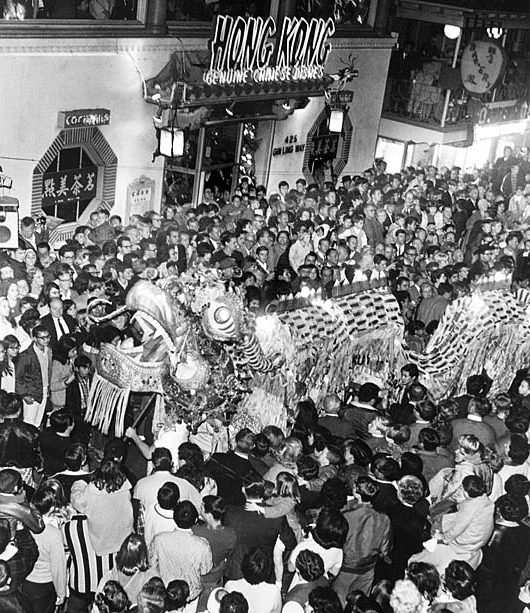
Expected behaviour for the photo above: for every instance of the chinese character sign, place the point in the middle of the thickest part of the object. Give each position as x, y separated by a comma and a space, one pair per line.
69, 185
481, 66
140, 195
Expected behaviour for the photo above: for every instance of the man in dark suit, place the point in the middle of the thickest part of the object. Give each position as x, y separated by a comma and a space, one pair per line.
56, 322
233, 470
172, 250
477, 386
33, 374
361, 410
336, 425
473, 424
77, 396
449, 197
252, 529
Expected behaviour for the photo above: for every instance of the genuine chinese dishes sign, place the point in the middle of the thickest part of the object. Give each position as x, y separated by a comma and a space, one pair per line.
69, 185
254, 50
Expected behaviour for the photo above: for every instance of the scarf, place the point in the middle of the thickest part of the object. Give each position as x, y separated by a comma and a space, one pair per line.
84, 389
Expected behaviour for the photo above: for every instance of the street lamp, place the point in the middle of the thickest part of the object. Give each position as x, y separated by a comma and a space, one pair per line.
452, 32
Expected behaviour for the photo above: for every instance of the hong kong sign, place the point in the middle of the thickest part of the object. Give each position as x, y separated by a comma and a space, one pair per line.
253, 50
69, 185
83, 118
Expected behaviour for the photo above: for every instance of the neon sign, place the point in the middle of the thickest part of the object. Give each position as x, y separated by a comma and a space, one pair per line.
250, 51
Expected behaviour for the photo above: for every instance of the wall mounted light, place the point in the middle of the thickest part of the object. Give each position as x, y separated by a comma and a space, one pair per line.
495, 32
452, 32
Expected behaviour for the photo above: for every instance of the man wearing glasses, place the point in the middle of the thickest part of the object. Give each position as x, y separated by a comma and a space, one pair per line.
33, 374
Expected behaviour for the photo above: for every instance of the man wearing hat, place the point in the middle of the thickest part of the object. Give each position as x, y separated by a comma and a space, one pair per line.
227, 267
347, 183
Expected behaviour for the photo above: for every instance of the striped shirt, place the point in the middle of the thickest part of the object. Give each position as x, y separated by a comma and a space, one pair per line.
86, 568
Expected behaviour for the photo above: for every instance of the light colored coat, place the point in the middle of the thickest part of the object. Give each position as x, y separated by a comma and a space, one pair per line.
464, 534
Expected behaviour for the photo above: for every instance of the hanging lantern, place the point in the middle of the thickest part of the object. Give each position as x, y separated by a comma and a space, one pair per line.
336, 119
171, 142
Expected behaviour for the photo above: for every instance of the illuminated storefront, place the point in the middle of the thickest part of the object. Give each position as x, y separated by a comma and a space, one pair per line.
91, 118
262, 91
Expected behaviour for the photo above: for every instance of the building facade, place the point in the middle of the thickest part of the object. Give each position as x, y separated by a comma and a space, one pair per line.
433, 113
77, 130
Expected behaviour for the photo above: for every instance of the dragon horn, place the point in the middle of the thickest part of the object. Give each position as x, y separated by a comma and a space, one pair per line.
109, 316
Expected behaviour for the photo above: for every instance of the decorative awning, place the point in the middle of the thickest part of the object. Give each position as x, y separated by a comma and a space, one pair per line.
183, 67
180, 85
200, 94
253, 67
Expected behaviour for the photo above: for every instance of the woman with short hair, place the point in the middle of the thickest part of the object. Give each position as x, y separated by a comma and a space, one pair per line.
286, 459
263, 596
327, 539
446, 486
111, 599
46, 584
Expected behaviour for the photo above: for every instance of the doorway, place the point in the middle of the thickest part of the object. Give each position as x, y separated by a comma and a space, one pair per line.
210, 159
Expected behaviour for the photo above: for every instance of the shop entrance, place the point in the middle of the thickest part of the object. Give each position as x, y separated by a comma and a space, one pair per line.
211, 159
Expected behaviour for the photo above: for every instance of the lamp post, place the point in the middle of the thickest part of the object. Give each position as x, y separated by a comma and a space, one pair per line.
452, 30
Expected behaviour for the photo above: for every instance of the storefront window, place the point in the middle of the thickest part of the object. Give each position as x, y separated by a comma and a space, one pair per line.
211, 159
249, 146
345, 12
206, 10
220, 144
191, 143
69, 184
19, 10
180, 184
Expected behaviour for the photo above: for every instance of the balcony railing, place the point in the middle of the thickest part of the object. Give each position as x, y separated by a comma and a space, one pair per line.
419, 101
77, 10
416, 100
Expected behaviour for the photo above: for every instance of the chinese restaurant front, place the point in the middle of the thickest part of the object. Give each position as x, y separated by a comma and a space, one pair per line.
263, 97
270, 102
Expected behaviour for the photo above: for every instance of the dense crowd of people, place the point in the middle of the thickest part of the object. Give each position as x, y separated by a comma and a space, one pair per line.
363, 505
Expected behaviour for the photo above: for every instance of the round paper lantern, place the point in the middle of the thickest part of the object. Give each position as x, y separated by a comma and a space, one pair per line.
482, 65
